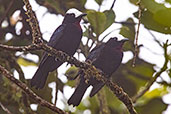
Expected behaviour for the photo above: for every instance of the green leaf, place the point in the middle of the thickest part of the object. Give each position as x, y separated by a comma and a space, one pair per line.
168, 1
128, 31
134, 2
135, 77
163, 17
123, 80
61, 6
137, 74
110, 15
149, 22
71, 73
99, 1
100, 21
97, 21
158, 92
114, 104
53, 4
152, 6
154, 106
25, 62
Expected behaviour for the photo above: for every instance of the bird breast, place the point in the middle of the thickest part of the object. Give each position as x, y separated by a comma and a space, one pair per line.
109, 61
71, 39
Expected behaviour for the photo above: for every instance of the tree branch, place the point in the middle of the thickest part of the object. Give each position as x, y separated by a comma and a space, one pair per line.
92, 71
6, 11
33, 22
87, 68
137, 33
112, 4
121, 95
57, 86
25, 102
29, 48
150, 83
5, 109
29, 92
104, 109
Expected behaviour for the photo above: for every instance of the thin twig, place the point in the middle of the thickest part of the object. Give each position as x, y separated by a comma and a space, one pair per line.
137, 33
6, 11
20, 48
88, 68
37, 39
91, 70
5, 109
150, 83
154, 37
25, 102
108, 34
56, 92
93, 42
29, 92
125, 23
112, 4
34, 24
104, 109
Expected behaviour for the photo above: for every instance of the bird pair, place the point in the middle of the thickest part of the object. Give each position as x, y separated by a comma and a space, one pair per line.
107, 57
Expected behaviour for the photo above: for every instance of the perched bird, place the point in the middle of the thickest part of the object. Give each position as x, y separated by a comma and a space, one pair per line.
66, 38
106, 57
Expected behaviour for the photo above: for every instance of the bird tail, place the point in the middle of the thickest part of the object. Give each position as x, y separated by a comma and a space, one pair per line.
39, 78
96, 88
78, 94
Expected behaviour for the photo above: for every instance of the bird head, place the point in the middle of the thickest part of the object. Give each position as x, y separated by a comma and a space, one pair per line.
115, 43
73, 16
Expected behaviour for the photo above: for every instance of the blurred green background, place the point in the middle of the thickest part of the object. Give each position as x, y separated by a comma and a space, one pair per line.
156, 19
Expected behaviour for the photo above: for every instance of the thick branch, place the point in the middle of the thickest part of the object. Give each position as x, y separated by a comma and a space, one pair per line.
118, 91
88, 68
91, 70
33, 22
20, 48
30, 92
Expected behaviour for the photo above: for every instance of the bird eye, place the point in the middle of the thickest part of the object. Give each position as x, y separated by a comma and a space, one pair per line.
115, 38
72, 14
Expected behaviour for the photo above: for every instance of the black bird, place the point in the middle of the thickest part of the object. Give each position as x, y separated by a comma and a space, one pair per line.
66, 38
106, 57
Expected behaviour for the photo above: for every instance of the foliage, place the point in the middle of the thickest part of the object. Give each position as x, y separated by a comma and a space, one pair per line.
155, 16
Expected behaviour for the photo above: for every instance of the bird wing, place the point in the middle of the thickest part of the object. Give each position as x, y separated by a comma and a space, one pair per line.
94, 54
55, 38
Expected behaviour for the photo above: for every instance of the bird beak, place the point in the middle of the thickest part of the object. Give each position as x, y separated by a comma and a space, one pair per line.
124, 40
81, 16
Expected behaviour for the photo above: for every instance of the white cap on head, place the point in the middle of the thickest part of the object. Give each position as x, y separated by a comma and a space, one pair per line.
120, 37
75, 11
